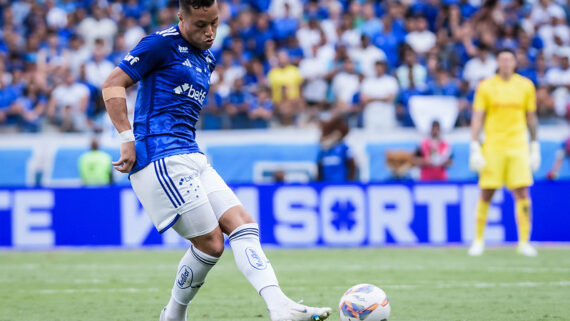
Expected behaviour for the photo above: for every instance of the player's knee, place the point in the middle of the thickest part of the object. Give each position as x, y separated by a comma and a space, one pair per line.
520, 193
211, 243
487, 195
217, 248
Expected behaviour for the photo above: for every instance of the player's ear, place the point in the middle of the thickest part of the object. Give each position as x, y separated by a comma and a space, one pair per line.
180, 15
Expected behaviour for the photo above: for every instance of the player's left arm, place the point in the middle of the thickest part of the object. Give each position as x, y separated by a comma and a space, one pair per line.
532, 124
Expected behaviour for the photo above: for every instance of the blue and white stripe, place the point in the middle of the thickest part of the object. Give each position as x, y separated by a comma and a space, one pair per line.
167, 184
245, 233
201, 258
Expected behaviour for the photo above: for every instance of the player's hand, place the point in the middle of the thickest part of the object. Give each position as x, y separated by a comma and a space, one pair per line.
476, 160
534, 156
128, 158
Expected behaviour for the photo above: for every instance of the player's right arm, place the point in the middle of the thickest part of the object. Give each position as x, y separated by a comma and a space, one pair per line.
114, 95
149, 54
476, 159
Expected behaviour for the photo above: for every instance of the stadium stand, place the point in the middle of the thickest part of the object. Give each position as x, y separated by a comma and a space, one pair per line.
55, 54
383, 65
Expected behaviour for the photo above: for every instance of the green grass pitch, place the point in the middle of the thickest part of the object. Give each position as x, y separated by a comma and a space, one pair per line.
422, 284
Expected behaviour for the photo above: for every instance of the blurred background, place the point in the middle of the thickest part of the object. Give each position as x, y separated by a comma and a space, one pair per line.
337, 122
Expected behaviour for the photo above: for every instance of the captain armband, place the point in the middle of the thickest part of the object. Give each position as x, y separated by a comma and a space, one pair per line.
114, 92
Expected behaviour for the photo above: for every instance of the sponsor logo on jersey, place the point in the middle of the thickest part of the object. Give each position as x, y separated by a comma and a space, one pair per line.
185, 276
190, 91
254, 259
187, 63
132, 60
182, 49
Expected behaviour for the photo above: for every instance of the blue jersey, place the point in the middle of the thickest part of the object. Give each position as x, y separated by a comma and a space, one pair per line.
174, 81
334, 162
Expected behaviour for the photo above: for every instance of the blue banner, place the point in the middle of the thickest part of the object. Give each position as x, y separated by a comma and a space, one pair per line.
289, 215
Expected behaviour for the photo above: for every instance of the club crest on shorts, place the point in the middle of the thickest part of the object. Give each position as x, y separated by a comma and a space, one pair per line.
254, 259
184, 278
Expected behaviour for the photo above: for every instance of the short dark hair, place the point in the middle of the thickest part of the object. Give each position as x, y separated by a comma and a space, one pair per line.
185, 5
501, 50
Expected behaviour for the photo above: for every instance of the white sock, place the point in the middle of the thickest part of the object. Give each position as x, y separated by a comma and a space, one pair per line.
192, 271
274, 297
254, 265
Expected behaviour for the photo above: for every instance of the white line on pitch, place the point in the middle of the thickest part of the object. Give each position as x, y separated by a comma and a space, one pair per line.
72, 291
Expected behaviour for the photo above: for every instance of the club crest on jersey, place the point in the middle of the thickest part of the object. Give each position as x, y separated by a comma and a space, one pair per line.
185, 276
182, 49
254, 259
190, 91
132, 60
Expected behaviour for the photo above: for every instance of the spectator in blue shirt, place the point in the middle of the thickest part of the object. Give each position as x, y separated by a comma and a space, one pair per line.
285, 26
389, 41
261, 108
443, 84
335, 162
238, 105
212, 115
262, 34
525, 68
28, 109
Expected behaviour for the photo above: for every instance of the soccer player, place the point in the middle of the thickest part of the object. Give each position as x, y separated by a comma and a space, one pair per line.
561, 153
335, 161
171, 177
506, 105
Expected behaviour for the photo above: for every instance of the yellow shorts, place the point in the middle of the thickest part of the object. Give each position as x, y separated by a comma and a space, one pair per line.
510, 167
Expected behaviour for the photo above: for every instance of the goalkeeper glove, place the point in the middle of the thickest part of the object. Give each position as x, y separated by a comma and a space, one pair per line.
534, 156
476, 159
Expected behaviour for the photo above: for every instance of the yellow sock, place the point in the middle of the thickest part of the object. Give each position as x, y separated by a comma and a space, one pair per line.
523, 219
481, 219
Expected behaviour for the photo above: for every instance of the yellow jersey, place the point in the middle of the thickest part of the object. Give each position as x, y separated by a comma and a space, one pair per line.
286, 80
505, 104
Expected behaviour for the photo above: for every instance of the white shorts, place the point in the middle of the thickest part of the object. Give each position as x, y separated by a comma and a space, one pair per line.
183, 186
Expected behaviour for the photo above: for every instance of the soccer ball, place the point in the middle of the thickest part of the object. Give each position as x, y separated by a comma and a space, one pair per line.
364, 302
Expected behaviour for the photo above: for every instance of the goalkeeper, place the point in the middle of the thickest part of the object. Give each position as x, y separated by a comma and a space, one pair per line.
505, 105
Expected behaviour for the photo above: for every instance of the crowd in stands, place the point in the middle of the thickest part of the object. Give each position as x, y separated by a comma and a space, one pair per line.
284, 62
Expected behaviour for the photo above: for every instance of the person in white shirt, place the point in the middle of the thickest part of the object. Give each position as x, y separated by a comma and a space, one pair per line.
99, 68
542, 12
98, 26
345, 85
133, 33
411, 75
482, 66
314, 71
420, 38
558, 80
377, 94
78, 54
56, 17
67, 107
277, 8
366, 56
308, 36
554, 34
